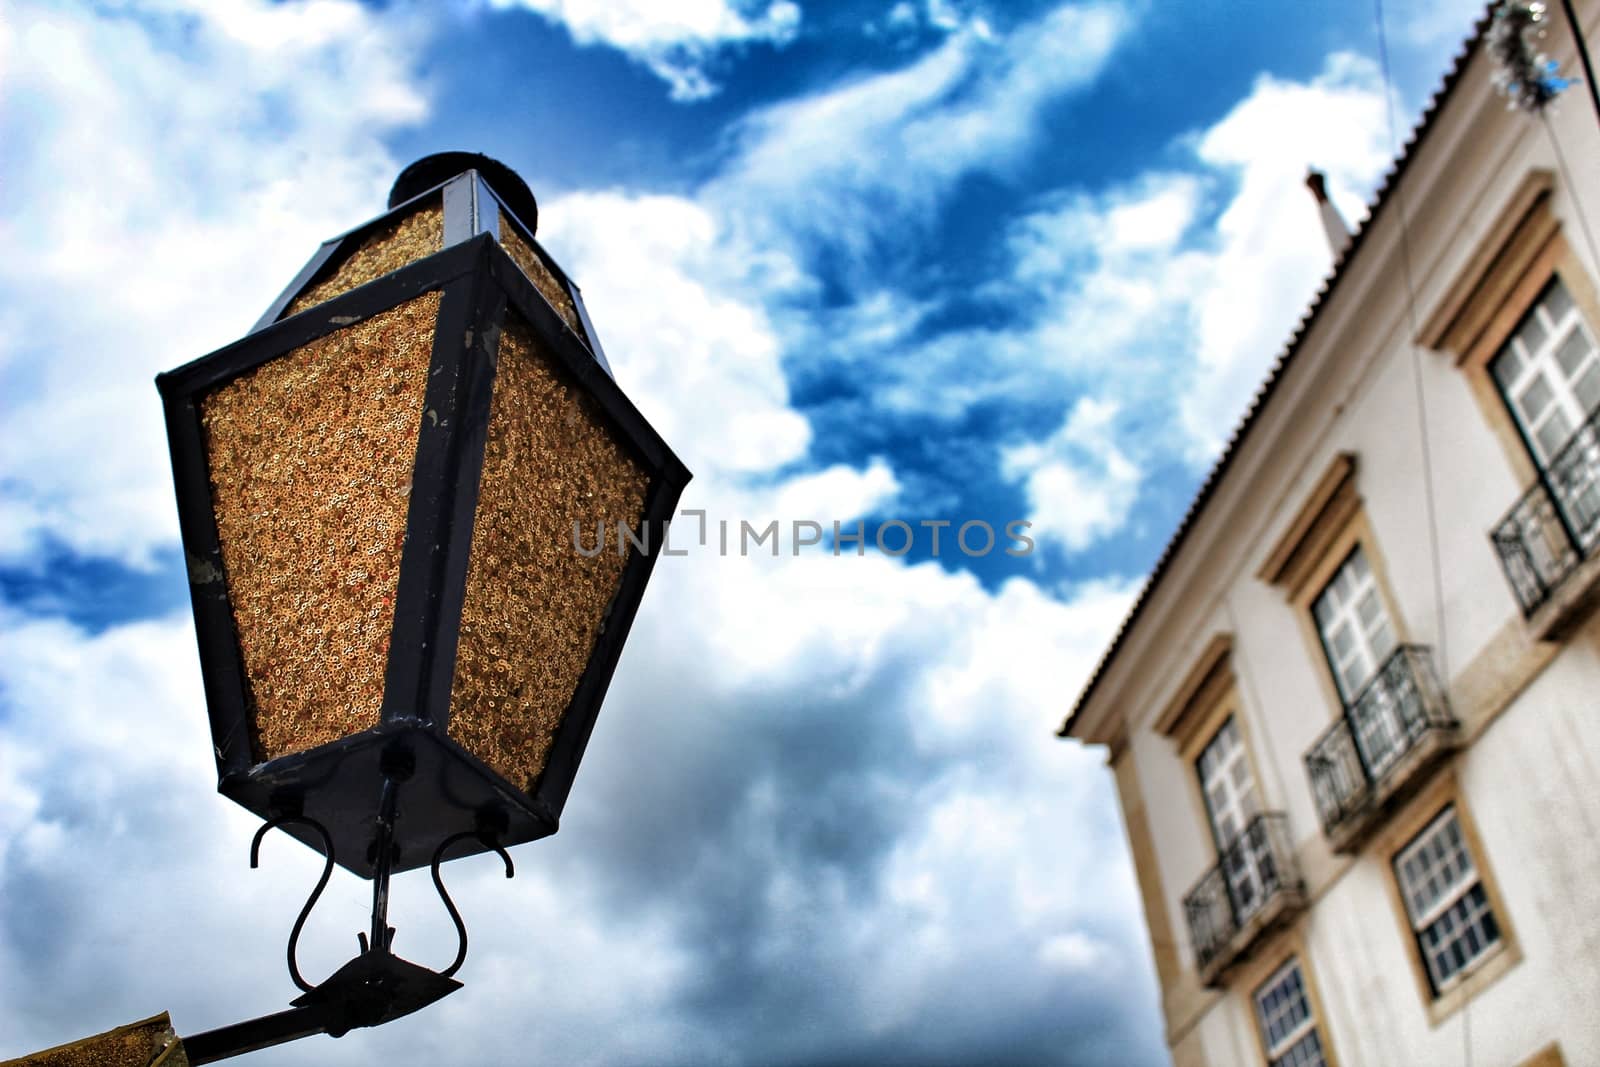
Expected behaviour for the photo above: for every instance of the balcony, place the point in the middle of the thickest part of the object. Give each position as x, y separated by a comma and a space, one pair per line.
1397, 728
1547, 543
1254, 887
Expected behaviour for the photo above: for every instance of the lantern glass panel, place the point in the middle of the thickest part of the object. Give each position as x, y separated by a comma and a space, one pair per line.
310, 458
388, 248
534, 604
539, 272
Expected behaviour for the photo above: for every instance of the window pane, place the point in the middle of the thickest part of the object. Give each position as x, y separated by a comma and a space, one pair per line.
1307, 1052
1342, 640
1532, 334
1448, 904
1463, 933
1355, 676
1587, 387
1369, 608
1555, 432
1535, 398
1283, 1014
1382, 642
1434, 865
1549, 373
1354, 623
1507, 365
1343, 585
1281, 1005
1557, 301
1574, 349
1241, 775
1225, 778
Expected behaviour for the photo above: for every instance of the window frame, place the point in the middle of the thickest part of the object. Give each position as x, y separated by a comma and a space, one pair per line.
1354, 531
1562, 393
1542, 461
1348, 699
1460, 888
1507, 275
1219, 702
1251, 879
1289, 946
1310, 1025
1411, 820
1243, 755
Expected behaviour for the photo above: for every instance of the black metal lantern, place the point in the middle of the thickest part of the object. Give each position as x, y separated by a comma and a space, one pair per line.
402, 649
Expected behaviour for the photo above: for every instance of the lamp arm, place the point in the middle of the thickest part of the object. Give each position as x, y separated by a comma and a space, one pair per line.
255, 1034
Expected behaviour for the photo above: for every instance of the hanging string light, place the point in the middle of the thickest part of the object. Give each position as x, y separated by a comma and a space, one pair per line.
1527, 77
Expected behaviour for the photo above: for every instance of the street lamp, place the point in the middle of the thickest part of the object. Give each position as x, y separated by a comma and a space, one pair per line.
403, 652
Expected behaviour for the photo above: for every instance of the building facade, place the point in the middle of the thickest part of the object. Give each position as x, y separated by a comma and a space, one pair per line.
1354, 717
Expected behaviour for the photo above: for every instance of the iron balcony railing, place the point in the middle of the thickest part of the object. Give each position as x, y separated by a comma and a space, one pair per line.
1253, 870
1354, 761
1556, 524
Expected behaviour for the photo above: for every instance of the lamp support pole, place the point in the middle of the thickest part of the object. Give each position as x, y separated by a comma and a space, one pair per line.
382, 863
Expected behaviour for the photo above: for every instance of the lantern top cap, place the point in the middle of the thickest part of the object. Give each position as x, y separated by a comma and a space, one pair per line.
430, 171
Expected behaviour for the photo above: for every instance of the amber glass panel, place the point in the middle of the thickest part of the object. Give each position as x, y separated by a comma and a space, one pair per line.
389, 248
310, 459
534, 605
538, 272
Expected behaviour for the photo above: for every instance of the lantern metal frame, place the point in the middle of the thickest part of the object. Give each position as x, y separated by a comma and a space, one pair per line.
336, 784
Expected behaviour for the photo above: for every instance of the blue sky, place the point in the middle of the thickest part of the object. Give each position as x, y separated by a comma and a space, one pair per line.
858, 262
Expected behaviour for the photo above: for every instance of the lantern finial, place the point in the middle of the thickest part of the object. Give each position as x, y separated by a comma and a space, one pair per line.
434, 170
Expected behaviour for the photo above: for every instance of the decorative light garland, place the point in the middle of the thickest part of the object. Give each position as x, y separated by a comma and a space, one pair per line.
1526, 76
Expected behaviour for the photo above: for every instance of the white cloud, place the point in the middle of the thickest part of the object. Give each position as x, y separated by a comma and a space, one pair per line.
1436, 25
1080, 485
847, 162
838, 493
1153, 223
1165, 297
675, 40
830, 730
1270, 250
183, 160
680, 308
111, 834
1105, 270
1076, 951
875, 740
1142, 284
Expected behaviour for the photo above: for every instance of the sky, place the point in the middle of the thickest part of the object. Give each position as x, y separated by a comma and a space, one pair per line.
858, 262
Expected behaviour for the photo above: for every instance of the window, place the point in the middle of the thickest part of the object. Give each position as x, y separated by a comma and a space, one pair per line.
1288, 1027
1549, 373
1354, 624
1358, 639
1231, 802
1446, 901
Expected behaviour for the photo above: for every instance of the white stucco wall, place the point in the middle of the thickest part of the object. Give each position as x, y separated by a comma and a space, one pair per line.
1528, 786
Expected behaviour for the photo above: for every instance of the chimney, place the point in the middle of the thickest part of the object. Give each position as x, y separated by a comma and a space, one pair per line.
1332, 225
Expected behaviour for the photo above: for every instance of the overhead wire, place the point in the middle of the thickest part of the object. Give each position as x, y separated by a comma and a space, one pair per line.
1424, 437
